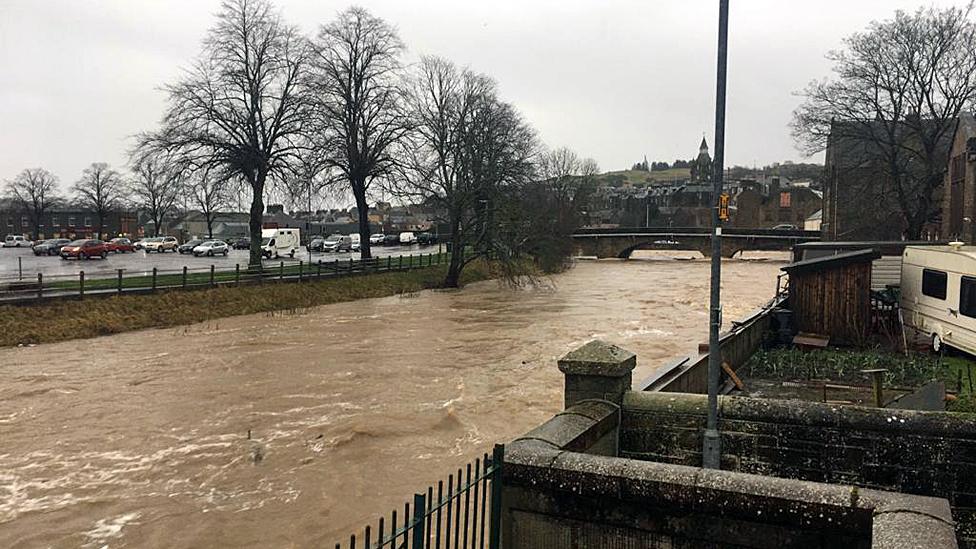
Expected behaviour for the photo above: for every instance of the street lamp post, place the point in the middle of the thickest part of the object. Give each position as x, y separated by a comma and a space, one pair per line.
712, 444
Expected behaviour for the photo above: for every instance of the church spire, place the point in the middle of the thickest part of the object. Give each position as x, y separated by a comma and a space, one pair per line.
703, 148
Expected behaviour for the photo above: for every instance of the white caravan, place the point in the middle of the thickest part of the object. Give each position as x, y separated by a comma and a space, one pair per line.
938, 294
279, 242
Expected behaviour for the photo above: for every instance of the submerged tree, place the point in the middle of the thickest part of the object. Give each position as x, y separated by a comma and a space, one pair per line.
358, 103
101, 190
894, 98
243, 107
467, 157
34, 191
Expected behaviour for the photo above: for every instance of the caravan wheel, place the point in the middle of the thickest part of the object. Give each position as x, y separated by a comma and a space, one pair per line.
936, 343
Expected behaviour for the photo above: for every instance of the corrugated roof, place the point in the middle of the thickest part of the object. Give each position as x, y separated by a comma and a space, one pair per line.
832, 261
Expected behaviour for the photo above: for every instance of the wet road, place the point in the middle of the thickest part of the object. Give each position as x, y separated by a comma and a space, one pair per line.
140, 439
15, 260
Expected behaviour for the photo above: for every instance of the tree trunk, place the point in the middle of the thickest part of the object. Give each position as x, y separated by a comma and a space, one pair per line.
359, 189
453, 278
209, 227
256, 222
101, 224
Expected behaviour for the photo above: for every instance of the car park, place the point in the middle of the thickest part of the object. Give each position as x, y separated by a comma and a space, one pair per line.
240, 243
316, 244
120, 245
211, 248
16, 241
426, 239
51, 246
407, 238
187, 247
376, 238
161, 244
391, 240
337, 243
84, 249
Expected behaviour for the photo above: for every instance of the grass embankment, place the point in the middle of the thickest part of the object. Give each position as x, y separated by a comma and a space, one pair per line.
640, 178
58, 321
845, 365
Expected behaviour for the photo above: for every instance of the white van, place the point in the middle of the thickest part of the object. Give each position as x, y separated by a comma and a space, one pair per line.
938, 294
279, 242
16, 241
407, 238
356, 242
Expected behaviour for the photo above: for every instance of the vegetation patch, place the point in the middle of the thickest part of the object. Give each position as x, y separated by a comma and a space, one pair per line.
845, 365
63, 320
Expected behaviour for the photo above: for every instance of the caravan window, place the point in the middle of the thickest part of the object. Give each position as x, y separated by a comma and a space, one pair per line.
967, 296
934, 283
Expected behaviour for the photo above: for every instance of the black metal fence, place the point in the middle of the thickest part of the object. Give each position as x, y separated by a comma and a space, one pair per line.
40, 287
461, 513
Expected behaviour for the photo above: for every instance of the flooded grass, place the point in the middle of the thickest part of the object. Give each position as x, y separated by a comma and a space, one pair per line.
59, 321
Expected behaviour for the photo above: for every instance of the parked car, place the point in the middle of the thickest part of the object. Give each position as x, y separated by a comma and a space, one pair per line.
407, 238
187, 247
161, 244
337, 243
316, 244
376, 238
212, 248
426, 239
16, 241
240, 243
785, 227
84, 249
120, 245
391, 240
140, 244
51, 246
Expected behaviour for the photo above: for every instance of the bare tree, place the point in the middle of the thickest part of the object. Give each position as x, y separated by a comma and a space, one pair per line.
466, 156
156, 186
894, 99
208, 192
358, 102
34, 191
570, 180
243, 106
101, 190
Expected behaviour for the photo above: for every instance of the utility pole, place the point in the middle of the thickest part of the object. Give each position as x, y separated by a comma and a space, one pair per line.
712, 445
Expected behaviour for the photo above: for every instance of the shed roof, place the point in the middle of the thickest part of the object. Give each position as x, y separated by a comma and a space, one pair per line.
829, 262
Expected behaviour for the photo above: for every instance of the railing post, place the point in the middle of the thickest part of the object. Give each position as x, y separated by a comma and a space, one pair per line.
81, 284
212, 270
400, 267
389, 262
40, 285
301, 265
237, 274
351, 265
497, 461
318, 272
184, 277
419, 510
119, 281
155, 271
281, 271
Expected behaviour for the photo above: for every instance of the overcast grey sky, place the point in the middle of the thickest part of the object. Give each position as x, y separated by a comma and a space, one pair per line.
612, 79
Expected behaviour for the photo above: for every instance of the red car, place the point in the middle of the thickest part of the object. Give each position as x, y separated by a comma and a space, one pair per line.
120, 245
84, 249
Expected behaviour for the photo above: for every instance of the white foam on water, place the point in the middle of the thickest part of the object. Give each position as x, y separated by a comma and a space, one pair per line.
110, 528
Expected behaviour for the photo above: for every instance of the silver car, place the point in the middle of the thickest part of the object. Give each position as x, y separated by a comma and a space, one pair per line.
212, 248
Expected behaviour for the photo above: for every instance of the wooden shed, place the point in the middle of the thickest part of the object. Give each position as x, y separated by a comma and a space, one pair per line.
831, 295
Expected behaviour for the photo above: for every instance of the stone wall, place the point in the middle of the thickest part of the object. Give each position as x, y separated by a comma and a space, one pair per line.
925, 453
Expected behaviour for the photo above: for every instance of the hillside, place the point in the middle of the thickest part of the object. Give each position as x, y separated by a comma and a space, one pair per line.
639, 178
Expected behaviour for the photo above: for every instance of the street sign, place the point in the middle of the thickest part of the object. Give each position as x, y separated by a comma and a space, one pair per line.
723, 207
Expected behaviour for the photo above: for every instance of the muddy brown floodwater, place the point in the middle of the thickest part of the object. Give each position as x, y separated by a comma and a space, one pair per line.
140, 439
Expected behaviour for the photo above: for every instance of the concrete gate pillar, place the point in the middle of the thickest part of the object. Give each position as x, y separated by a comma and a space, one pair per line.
597, 370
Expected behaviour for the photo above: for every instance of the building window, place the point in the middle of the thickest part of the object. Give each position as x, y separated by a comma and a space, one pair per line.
967, 296
784, 200
71, 221
934, 283
10, 222
88, 222
24, 222
54, 221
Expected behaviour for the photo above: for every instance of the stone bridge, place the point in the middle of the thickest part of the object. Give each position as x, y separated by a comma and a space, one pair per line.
621, 242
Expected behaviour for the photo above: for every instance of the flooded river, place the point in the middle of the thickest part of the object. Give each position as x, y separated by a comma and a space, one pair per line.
141, 439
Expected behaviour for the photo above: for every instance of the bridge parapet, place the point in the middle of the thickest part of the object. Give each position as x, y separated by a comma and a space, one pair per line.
621, 243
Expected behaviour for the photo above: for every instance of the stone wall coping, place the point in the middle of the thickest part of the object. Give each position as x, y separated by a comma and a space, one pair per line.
598, 358
578, 426
894, 519
815, 414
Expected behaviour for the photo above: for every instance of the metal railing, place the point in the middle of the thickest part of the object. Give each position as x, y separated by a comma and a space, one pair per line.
464, 512
18, 289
